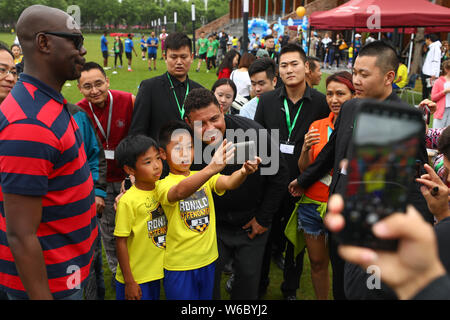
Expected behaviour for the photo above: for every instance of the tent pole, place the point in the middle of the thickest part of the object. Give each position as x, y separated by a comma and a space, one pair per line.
353, 44
410, 52
309, 39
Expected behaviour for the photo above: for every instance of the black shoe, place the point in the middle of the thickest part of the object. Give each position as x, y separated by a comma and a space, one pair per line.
229, 284
289, 298
278, 258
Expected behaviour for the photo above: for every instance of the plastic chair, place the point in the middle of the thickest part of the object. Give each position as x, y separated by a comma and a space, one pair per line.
409, 88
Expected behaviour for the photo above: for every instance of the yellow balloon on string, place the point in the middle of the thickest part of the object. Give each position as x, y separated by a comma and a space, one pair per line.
301, 11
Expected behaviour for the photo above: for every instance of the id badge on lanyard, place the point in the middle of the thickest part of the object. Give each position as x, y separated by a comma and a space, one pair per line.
109, 153
288, 147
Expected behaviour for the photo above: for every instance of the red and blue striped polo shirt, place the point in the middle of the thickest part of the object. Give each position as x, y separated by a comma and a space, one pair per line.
42, 154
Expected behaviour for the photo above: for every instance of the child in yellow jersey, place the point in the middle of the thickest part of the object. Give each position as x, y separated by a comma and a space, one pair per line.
141, 224
187, 200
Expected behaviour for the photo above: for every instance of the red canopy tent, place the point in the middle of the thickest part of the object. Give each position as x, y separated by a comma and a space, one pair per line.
392, 14
382, 16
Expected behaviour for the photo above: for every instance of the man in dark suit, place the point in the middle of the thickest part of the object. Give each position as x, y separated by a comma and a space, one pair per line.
373, 74
290, 110
161, 99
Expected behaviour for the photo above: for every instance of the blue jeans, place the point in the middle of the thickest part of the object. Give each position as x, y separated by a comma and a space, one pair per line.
310, 221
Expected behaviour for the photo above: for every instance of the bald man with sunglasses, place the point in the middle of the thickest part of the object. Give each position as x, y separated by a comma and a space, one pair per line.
48, 215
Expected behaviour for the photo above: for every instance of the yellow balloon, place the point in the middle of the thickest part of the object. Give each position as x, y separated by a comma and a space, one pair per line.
301, 11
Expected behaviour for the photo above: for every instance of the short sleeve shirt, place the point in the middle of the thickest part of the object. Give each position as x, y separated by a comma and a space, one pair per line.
191, 231
104, 43
129, 45
42, 155
141, 219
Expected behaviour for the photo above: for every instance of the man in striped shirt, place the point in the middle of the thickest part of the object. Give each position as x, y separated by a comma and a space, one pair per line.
47, 221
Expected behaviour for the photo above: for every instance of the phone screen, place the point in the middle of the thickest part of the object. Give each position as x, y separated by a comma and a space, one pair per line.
244, 151
380, 172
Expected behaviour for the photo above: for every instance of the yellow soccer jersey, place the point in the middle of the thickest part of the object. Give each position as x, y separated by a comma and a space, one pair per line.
191, 235
140, 217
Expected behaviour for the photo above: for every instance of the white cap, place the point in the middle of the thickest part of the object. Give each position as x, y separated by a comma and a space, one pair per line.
357, 35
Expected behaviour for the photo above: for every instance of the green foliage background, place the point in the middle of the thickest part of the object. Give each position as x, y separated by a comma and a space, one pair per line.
95, 14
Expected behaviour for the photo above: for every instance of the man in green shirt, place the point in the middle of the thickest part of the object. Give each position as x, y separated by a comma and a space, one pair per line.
202, 48
213, 46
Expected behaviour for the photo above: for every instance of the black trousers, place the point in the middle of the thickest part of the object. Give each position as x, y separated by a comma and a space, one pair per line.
426, 91
337, 265
293, 266
247, 258
117, 55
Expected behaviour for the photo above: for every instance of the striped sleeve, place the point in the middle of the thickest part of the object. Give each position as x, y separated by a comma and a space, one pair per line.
28, 153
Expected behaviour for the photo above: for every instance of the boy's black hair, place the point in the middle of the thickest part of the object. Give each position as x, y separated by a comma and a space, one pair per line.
199, 98
386, 55
263, 65
166, 131
293, 47
90, 66
131, 147
177, 40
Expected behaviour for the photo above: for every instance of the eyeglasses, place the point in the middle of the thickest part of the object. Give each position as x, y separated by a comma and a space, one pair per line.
89, 87
4, 73
77, 38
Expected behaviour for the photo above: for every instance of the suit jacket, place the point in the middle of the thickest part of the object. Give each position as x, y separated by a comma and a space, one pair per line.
271, 115
156, 105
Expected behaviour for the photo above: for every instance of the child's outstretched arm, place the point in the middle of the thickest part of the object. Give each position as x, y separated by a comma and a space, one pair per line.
190, 185
238, 177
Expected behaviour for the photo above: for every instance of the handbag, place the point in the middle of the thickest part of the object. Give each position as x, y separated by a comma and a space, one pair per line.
343, 46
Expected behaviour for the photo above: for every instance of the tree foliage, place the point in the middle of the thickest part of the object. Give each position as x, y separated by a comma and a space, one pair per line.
96, 14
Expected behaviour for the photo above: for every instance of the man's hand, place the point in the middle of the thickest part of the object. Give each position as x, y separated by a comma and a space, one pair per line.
99, 205
255, 227
435, 192
294, 189
250, 167
133, 291
415, 263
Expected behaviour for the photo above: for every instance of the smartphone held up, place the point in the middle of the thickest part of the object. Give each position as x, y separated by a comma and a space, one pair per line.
381, 169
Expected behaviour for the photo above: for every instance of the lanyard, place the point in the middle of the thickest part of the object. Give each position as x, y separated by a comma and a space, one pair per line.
181, 109
288, 118
99, 125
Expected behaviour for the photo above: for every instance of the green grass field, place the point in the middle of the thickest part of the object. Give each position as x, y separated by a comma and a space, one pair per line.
129, 81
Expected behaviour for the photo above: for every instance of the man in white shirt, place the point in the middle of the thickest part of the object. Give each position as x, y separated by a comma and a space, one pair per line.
432, 64
326, 46
263, 79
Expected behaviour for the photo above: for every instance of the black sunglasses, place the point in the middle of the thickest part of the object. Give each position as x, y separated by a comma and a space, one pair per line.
77, 38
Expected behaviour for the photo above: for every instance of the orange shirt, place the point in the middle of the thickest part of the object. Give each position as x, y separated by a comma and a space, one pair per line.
320, 189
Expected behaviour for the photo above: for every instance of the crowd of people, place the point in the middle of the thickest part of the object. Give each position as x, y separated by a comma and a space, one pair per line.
122, 173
